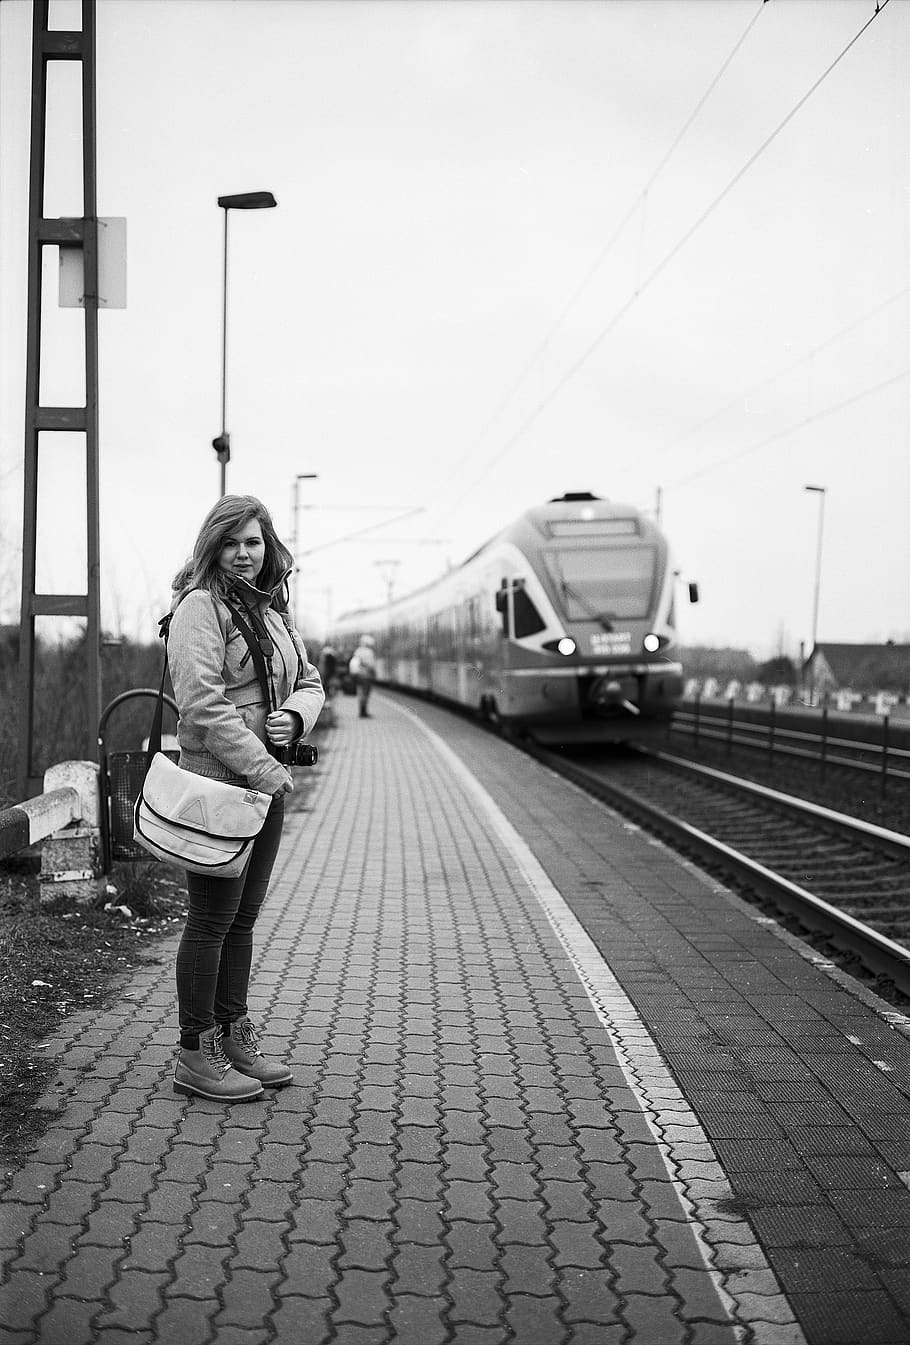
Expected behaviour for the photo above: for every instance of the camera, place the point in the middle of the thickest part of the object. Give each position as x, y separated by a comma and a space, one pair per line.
297, 754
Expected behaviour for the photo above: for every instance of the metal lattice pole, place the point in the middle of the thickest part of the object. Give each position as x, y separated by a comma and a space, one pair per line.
50, 45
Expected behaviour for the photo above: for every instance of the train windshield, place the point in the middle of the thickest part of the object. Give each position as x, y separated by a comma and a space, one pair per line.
604, 582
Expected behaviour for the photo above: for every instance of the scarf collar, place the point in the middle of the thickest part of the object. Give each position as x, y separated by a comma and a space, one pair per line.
250, 595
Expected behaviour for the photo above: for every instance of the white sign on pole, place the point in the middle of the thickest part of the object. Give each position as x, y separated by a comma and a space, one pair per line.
111, 268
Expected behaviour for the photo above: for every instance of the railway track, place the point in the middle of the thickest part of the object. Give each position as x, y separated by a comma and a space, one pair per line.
843, 880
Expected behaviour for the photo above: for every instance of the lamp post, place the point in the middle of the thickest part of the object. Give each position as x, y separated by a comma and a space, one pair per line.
820, 491
295, 506
251, 200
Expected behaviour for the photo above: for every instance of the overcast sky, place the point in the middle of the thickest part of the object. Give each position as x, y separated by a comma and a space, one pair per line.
499, 270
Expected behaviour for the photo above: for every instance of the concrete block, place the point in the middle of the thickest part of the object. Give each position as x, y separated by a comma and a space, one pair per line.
71, 866
81, 776
72, 863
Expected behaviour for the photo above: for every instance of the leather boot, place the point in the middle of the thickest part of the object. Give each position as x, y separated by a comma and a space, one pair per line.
208, 1073
241, 1046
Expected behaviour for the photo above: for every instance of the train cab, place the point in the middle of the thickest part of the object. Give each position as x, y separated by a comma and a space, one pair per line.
588, 627
561, 626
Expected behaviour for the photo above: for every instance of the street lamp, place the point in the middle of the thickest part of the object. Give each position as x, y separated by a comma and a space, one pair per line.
301, 476
250, 200
820, 491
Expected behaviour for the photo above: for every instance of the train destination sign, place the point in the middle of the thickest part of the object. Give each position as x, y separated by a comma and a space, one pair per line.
611, 642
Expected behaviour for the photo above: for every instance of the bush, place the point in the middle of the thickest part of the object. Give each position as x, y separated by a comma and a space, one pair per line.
59, 692
726, 665
780, 671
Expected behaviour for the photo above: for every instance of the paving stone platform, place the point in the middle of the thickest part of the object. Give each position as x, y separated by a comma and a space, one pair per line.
484, 1142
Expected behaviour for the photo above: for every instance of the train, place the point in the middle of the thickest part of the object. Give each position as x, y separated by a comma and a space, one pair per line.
562, 627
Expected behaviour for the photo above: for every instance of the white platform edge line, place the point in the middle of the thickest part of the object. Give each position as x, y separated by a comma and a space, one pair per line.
637, 1054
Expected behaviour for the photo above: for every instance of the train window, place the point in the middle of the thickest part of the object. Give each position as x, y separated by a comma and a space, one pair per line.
448, 626
604, 581
594, 527
471, 620
528, 620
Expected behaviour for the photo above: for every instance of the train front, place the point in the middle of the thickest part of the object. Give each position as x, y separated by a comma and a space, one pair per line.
605, 652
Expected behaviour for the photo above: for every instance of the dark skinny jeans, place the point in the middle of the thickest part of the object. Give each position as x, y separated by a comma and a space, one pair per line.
216, 951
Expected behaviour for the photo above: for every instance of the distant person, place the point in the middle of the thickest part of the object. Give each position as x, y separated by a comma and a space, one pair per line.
345, 676
362, 668
328, 667
227, 732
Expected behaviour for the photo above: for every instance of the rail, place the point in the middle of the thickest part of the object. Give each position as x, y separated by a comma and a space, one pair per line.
813, 736
646, 801
27, 823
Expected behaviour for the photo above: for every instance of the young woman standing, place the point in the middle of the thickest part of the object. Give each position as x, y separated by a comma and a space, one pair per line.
229, 731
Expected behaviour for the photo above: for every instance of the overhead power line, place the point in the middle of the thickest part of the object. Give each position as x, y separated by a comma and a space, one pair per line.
598, 262
662, 265
787, 369
790, 429
360, 532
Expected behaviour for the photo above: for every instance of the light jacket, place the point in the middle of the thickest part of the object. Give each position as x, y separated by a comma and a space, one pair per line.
221, 730
363, 662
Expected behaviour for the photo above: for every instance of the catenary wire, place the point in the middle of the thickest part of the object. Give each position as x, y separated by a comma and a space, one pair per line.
790, 429
582, 359
787, 369
611, 242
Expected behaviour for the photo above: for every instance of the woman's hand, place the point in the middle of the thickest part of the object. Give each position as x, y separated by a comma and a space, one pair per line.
287, 788
281, 727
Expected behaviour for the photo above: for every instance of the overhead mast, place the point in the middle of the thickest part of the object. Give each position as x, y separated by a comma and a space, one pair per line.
58, 45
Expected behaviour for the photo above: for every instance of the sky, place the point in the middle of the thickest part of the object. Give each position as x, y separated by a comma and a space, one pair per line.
654, 249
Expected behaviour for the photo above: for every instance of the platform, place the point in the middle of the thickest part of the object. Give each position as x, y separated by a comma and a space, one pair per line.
552, 1085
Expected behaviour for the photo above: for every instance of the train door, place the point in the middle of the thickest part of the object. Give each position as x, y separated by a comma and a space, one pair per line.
421, 656
519, 620
506, 651
432, 652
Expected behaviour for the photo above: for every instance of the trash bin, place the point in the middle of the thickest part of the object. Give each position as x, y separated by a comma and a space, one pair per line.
121, 775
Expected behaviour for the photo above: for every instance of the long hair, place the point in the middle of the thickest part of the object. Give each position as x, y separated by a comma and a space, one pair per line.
231, 513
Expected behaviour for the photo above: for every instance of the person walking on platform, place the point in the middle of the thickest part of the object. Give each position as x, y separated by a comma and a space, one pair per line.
328, 667
362, 668
226, 731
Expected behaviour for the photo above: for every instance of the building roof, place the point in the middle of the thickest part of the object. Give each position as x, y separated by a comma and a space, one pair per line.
873, 666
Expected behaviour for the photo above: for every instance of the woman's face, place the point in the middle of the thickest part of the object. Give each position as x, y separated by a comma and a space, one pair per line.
243, 551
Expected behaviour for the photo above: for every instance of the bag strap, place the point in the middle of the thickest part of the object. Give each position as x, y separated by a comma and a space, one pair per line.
261, 649
154, 746
295, 641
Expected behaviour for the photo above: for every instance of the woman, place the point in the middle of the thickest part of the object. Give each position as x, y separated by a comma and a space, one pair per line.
229, 731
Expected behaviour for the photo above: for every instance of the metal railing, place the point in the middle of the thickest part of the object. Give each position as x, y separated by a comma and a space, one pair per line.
811, 735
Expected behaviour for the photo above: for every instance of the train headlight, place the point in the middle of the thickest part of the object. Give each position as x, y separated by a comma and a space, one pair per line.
651, 643
566, 646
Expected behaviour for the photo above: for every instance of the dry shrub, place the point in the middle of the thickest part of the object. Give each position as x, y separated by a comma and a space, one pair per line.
59, 691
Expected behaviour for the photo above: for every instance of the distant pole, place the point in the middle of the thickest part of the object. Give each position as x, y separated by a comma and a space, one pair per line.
820, 491
295, 506
659, 505
387, 569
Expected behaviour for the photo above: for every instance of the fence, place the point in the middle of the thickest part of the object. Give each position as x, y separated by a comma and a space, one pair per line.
867, 744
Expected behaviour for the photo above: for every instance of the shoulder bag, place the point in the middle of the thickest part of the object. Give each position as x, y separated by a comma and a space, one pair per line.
197, 824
